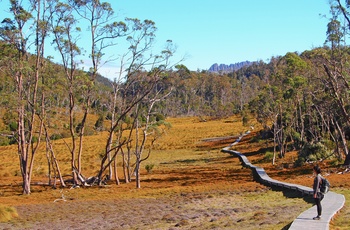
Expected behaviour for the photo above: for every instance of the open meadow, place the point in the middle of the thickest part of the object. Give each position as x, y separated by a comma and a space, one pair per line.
189, 184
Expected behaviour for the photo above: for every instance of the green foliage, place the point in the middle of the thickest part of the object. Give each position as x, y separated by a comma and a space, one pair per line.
10, 119
78, 128
268, 156
245, 120
34, 139
335, 162
159, 117
182, 68
149, 168
313, 152
13, 126
4, 141
296, 137
294, 64
56, 136
99, 123
109, 116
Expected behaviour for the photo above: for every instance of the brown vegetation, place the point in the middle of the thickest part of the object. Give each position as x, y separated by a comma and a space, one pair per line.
191, 185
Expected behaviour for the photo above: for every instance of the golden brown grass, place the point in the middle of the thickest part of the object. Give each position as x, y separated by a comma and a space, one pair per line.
192, 185
7, 213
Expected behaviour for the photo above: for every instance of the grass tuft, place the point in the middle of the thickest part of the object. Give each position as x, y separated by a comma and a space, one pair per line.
7, 213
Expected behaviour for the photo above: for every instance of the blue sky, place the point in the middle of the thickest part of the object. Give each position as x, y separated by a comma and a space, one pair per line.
230, 31
227, 31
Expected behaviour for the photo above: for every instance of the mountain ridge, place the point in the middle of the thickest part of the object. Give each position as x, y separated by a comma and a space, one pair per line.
228, 68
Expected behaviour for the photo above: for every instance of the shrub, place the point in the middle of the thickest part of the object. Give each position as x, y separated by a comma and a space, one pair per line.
245, 120
312, 152
335, 162
99, 124
4, 141
55, 136
159, 117
256, 139
13, 126
149, 167
109, 116
268, 156
34, 139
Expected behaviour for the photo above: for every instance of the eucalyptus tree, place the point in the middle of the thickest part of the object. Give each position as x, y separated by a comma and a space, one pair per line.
145, 124
103, 34
135, 93
293, 69
266, 107
13, 33
20, 32
223, 96
172, 105
336, 66
66, 35
42, 32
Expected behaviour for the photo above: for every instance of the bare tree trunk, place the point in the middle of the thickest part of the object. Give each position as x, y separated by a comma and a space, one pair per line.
22, 150
111, 138
301, 122
347, 160
53, 157
274, 141
343, 139
81, 134
116, 178
339, 100
71, 128
335, 90
137, 173
126, 167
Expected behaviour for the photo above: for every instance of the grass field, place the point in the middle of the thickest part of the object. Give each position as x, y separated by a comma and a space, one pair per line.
192, 185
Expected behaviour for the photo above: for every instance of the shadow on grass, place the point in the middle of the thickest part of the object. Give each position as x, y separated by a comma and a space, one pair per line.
259, 151
287, 226
17, 189
293, 194
287, 192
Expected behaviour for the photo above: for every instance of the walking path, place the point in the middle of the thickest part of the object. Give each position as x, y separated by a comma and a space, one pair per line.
331, 204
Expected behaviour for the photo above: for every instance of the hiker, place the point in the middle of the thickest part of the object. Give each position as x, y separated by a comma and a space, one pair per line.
318, 196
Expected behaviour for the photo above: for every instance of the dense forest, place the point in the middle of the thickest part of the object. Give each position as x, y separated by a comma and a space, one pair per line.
301, 99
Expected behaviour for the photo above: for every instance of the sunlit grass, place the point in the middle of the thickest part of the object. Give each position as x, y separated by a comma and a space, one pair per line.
201, 187
341, 222
7, 213
185, 135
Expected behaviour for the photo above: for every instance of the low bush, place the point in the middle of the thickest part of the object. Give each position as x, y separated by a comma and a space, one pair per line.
313, 152
268, 156
149, 168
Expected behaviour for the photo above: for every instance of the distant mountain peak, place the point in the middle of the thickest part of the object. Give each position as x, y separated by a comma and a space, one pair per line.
228, 68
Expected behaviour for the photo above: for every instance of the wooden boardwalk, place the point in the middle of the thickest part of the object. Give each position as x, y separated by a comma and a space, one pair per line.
331, 203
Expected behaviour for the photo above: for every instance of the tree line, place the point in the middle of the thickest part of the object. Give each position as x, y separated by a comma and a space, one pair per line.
301, 99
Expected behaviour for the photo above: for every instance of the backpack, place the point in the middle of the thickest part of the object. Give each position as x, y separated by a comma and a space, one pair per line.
324, 187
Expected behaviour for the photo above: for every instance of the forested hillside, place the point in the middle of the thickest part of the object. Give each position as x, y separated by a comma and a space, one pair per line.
302, 99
